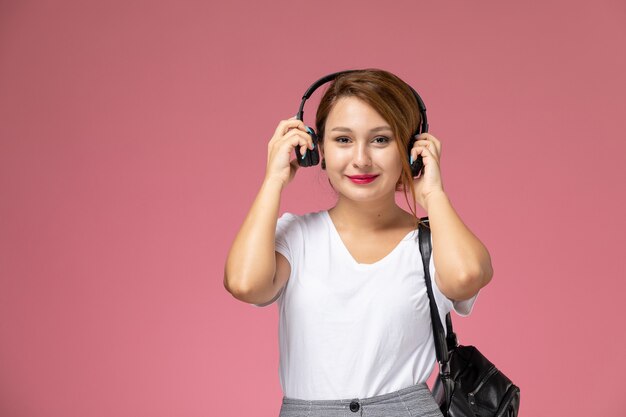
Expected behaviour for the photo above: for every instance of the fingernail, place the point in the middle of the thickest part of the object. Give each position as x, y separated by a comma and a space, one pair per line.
411, 160
304, 154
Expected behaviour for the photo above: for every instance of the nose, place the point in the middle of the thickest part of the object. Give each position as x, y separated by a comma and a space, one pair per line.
361, 156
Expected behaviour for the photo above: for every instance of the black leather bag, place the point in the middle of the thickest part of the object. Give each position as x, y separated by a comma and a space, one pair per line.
468, 385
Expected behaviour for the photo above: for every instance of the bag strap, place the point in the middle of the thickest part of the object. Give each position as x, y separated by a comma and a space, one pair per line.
438, 334
451, 336
442, 344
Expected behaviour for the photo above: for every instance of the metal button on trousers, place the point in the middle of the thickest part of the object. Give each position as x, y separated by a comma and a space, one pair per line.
354, 406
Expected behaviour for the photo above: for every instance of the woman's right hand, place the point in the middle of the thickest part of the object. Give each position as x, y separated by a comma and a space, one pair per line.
289, 134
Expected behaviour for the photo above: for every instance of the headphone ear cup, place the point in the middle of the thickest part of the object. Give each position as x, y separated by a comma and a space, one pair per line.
312, 157
417, 166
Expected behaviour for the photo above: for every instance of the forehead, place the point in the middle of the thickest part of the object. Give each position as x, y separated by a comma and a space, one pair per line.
352, 111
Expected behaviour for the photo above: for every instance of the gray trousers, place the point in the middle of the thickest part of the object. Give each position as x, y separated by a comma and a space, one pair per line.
412, 401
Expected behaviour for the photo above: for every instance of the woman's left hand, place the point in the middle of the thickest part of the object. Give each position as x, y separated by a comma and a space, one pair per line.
429, 180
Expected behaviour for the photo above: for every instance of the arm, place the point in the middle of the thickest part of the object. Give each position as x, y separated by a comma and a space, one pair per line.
254, 271
462, 262
251, 262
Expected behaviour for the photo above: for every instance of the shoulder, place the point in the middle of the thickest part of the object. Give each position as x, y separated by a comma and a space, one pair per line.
307, 219
293, 230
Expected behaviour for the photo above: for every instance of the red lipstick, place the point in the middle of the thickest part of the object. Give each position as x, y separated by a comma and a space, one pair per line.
362, 179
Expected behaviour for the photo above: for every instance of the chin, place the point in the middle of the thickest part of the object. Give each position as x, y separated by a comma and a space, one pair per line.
365, 194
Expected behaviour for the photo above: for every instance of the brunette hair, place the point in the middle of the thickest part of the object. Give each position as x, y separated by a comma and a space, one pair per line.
392, 98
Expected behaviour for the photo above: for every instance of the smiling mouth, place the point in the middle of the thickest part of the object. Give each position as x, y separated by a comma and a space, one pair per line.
362, 179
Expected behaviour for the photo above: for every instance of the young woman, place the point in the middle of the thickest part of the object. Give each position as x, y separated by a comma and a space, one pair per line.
355, 333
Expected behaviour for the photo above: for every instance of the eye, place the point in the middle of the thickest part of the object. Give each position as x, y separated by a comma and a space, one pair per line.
381, 139
342, 139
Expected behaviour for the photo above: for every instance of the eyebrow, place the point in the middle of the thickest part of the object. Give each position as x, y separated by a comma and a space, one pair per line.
347, 129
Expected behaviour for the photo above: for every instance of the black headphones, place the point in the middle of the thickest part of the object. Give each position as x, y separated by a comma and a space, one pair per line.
312, 157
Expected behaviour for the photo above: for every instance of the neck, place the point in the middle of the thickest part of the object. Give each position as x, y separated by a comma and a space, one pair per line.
365, 216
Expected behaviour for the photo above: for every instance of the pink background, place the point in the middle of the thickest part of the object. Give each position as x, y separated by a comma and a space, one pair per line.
134, 138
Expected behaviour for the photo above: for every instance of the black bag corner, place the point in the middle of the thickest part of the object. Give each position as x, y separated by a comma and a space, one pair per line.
468, 384
478, 387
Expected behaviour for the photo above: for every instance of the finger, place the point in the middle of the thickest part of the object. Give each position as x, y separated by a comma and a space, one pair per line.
427, 136
284, 127
308, 141
422, 143
415, 151
424, 152
288, 124
429, 153
300, 126
417, 148
434, 147
297, 140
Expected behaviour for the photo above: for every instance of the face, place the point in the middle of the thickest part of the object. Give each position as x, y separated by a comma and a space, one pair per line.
362, 160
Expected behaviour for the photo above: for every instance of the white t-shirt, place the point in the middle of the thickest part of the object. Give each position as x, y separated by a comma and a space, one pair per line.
351, 330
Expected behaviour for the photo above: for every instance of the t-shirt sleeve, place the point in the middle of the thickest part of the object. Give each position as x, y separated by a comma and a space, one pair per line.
286, 232
461, 307
286, 229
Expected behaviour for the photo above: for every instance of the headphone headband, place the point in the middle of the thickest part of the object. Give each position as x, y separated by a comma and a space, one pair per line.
331, 77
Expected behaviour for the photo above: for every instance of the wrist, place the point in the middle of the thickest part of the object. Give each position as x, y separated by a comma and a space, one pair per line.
432, 197
273, 183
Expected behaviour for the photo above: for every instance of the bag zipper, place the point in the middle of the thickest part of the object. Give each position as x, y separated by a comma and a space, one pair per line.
492, 371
